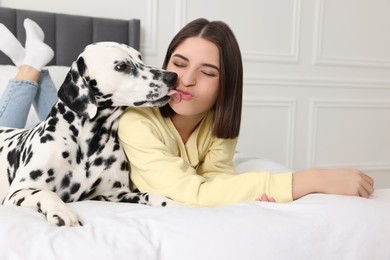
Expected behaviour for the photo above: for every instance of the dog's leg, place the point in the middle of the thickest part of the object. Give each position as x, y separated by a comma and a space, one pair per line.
46, 202
124, 195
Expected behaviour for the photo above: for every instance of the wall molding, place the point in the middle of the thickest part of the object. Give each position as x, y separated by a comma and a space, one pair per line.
180, 14
149, 46
366, 167
248, 55
293, 55
290, 105
316, 104
282, 81
320, 59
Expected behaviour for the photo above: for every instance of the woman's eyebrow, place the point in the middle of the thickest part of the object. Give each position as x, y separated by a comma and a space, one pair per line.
181, 56
210, 65
203, 64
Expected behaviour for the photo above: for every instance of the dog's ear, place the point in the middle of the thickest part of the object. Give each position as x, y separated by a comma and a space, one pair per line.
76, 91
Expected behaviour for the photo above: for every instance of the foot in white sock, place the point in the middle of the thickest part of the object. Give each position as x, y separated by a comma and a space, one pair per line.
11, 46
38, 53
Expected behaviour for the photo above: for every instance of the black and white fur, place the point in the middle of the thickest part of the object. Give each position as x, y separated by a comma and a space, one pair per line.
75, 154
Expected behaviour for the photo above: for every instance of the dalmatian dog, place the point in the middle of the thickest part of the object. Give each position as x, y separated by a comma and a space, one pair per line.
75, 154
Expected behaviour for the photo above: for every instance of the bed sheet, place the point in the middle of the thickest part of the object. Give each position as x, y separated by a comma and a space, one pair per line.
314, 227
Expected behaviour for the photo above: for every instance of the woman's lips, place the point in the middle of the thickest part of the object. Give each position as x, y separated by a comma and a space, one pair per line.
178, 95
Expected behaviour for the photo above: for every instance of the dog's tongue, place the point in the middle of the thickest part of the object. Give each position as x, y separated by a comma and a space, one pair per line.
175, 96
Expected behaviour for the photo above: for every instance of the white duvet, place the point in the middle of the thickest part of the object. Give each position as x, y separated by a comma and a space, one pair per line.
317, 226
314, 227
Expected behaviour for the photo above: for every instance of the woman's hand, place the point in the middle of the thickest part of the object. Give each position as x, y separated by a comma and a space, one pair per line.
265, 198
338, 181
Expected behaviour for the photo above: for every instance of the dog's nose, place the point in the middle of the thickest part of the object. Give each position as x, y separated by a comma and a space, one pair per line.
170, 78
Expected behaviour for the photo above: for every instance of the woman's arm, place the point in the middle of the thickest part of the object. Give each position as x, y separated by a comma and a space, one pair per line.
339, 181
159, 166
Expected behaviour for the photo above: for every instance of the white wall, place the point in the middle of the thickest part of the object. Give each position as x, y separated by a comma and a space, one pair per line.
317, 72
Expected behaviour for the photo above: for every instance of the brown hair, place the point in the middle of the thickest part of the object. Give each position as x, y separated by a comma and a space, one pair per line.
227, 109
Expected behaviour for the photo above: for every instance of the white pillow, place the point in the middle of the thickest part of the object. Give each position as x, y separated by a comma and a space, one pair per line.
58, 74
7, 72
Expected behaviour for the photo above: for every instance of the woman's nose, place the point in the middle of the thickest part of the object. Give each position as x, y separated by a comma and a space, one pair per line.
188, 78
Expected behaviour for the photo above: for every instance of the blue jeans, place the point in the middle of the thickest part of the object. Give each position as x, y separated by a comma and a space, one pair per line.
16, 101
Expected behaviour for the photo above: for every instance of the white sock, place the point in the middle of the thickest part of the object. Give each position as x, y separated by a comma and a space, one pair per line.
11, 46
38, 53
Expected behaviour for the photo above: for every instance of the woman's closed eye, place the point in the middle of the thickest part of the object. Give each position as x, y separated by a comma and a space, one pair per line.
179, 64
209, 73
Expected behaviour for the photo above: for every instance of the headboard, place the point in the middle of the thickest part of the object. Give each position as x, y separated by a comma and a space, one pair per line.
67, 34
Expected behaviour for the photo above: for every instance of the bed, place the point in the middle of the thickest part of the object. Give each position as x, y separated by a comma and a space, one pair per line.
316, 226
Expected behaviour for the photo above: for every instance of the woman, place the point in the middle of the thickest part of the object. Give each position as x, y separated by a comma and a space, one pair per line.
185, 150
31, 85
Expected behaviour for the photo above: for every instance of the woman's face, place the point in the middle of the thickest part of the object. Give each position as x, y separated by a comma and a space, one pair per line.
196, 62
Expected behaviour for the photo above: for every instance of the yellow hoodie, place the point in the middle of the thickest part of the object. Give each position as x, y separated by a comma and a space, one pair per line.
200, 172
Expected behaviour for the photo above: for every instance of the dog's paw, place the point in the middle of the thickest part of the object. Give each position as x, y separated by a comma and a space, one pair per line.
63, 218
156, 200
57, 212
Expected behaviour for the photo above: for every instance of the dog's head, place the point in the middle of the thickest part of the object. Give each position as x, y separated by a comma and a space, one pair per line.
110, 74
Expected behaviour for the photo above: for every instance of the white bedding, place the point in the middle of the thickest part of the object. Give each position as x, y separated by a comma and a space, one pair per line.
313, 227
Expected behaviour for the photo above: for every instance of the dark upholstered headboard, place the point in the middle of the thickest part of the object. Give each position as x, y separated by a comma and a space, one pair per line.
69, 34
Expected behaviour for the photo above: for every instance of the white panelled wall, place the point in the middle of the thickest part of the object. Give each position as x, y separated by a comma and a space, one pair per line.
317, 72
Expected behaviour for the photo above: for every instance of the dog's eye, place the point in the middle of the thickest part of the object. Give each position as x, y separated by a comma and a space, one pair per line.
121, 66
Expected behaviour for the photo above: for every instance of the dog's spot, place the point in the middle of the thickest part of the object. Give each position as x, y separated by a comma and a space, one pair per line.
80, 104
19, 201
92, 83
47, 138
69, 117
65, 197
116, 147
65, 181
96, 183
75, 188
28, 159
117, 185
50, 172
74, 131
35, 192
124, 166
65, 154
109, 161
156, 74
98, 161
50, 179
61, 108
60, 221
93, 145
52, 123
34, 175
81, 67
79, 155
13, 158
39, 208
